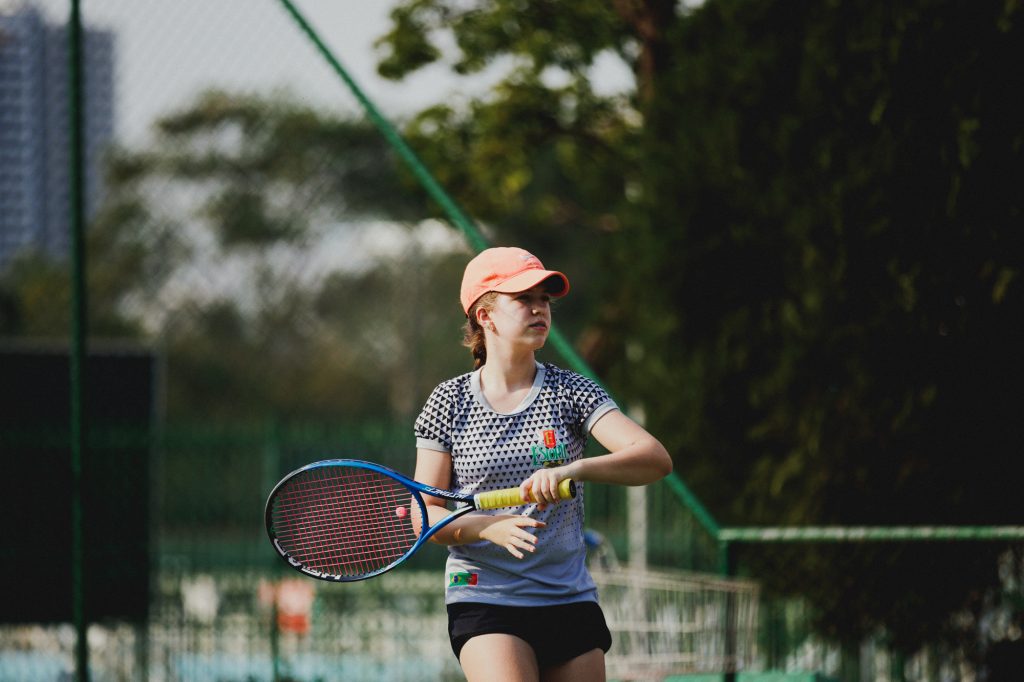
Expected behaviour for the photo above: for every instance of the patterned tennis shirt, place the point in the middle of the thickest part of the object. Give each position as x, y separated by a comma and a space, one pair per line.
491, 450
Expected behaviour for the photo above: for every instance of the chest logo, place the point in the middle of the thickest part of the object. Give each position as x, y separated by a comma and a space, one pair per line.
549, 452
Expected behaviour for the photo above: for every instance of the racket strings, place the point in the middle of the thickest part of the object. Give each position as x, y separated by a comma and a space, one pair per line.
345, 521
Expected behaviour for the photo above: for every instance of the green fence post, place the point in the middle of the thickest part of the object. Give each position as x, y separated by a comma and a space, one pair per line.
271, 466
78, 335
727, 567
275, 638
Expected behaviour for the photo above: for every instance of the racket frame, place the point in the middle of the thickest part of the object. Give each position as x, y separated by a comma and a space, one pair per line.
415, 489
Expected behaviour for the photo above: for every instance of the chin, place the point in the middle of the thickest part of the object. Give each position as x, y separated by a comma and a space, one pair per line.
535, 344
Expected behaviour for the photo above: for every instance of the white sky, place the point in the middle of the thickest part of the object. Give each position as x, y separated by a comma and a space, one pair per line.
168, 51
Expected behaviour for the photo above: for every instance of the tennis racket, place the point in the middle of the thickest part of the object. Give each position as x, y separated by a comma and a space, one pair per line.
344, 520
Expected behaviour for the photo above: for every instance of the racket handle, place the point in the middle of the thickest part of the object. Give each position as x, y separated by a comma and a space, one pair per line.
511, 497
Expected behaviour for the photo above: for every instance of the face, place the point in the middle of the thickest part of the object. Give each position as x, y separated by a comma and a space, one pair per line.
524, 317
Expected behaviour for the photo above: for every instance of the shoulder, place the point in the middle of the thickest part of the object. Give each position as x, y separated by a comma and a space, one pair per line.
566, 378
584, 397
434, 423
454, 384
449, 389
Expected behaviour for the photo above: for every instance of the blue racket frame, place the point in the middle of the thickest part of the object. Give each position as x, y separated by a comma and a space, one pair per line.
414, 487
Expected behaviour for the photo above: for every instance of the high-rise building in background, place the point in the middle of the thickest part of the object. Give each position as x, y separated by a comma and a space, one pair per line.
35, 129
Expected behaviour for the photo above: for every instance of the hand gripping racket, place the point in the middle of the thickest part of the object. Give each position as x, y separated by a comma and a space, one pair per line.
344, 520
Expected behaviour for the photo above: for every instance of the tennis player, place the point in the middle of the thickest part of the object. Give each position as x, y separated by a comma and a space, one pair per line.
521, 604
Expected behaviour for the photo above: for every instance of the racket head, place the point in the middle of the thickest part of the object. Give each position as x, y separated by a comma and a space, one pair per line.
344, 520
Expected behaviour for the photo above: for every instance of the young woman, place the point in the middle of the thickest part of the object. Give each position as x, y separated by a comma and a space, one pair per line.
521, 604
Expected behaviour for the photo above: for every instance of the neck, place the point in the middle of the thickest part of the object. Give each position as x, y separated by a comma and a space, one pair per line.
504, 373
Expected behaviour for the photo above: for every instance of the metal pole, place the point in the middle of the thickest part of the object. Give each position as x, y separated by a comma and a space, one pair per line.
636, 513
792, 534
78, 335
730, 621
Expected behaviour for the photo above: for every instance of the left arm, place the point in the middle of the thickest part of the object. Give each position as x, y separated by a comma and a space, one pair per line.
634, 457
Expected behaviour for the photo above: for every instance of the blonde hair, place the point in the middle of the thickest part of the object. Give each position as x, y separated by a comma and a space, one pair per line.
473, 334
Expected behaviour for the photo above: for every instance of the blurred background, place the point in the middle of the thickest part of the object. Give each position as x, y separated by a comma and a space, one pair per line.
794, 234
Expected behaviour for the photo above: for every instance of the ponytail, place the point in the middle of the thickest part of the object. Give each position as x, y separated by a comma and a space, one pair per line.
473, 334
473, 339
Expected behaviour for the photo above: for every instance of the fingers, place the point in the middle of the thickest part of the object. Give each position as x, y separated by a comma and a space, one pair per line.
523, 521
512, 534
542, 487
529, 494
525, 542
519, 539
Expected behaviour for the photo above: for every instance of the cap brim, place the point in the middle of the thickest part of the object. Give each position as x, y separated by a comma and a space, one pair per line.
531, 278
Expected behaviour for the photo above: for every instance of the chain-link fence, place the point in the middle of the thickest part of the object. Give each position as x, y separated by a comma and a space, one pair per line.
222, 605
886, 603
267, 254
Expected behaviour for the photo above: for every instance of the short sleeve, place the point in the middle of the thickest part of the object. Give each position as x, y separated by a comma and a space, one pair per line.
433, 427
589, 401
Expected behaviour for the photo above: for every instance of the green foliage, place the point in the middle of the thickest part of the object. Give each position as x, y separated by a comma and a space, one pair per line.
797, 250
794, 247
36, 300
834, 288
838, 251
210, 245
532, 32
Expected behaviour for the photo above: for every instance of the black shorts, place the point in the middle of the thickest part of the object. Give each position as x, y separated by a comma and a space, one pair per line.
557, 633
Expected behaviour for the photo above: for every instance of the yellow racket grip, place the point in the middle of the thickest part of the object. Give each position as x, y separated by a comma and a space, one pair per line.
511, 497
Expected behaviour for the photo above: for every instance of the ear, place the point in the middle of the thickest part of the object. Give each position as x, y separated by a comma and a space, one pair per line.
483, 317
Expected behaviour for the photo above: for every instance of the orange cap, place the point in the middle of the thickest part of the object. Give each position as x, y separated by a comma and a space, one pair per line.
508, 270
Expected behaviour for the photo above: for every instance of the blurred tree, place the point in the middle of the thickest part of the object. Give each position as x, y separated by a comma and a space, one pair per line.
544, 161
795, 249
273, 252
798, 246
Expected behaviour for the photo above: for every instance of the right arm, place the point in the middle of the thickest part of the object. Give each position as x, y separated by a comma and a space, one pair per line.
505, 530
